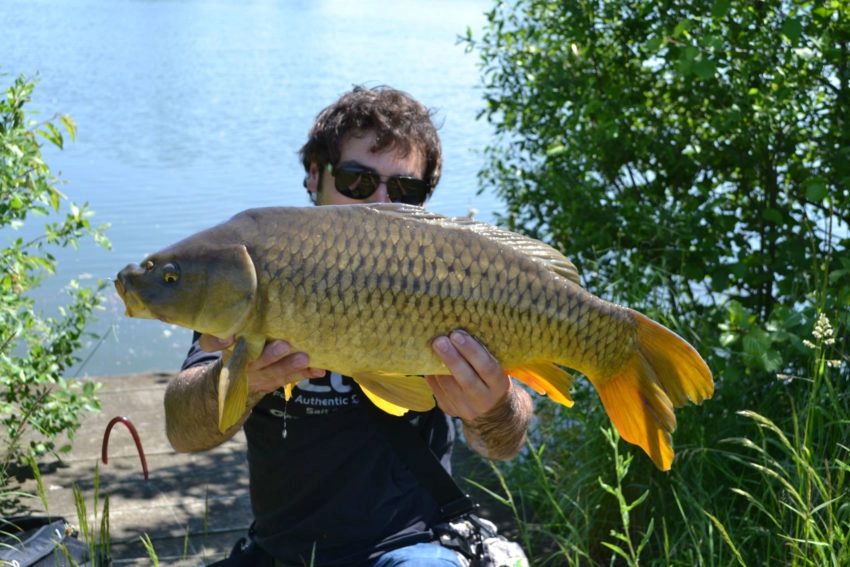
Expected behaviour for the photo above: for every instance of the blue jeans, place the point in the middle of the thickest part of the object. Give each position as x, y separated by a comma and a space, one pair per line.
419, 555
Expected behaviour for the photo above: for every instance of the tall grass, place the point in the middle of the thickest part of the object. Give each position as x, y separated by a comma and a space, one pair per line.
621, 539
749, 487
95, 534
804, 498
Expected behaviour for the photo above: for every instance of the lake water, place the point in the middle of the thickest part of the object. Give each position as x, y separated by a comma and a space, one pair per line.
189, 111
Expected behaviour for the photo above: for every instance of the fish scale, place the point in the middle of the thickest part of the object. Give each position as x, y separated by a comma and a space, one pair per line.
364, 289
399, 268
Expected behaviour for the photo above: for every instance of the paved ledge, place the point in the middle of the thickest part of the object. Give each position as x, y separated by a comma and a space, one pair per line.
193, 507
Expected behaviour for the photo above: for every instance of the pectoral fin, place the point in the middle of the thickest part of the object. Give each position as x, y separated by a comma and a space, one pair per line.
233, 382
546, 378
396, 393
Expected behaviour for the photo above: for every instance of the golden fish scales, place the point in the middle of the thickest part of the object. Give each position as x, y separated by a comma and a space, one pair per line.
364, 290
393, 294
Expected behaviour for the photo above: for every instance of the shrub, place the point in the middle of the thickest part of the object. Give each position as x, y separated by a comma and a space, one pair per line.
37, 402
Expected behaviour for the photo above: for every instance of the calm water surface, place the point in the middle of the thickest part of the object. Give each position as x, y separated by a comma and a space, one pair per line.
189, 111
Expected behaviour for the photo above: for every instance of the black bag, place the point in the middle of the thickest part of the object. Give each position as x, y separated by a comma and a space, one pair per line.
39, 541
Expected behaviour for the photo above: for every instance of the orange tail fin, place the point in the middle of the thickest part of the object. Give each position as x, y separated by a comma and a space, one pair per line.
664, 372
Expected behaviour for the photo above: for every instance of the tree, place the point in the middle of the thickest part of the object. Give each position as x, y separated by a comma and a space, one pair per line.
696, 153
37, 402
693, 159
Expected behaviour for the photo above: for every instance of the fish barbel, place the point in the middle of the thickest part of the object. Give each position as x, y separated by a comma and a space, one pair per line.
364, 289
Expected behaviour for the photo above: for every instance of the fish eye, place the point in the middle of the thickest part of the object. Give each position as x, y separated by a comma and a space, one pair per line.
170, 273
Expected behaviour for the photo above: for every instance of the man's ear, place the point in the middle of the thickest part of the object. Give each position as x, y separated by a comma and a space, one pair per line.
311, 182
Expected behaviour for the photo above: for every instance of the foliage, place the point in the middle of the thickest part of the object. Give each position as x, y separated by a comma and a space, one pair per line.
693, 152
37, 403
693, 159
775, 493
802, 494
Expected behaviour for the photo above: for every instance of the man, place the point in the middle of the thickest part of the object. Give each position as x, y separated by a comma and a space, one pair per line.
326, 487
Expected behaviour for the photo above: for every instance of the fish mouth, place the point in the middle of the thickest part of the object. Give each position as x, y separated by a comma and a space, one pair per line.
133, 304
119, 287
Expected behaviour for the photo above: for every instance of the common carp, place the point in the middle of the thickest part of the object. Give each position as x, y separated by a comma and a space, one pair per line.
364, 289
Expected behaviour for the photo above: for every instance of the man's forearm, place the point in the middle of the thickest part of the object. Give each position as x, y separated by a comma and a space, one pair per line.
500, 433
191, 409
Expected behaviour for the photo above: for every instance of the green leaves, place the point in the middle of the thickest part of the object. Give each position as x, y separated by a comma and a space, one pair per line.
38, 401
816, 189
684, 138
792, 29
693, 160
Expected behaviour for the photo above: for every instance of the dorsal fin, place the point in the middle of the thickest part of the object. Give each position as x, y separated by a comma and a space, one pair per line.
553, 260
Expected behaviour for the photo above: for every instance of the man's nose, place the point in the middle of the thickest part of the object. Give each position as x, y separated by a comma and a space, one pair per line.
381, 194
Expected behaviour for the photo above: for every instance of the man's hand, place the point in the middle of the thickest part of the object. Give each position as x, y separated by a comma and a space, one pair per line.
276, 367
495, 414
477, 383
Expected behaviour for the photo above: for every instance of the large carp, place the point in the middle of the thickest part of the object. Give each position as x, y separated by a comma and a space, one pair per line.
364, 289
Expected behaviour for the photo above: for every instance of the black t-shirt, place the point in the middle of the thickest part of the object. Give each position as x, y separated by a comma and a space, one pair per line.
324, 481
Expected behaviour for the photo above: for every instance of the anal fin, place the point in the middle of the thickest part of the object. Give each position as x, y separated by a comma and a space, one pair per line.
546, 378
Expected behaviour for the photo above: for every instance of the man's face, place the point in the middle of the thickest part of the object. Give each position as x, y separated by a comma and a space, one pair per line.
356, 152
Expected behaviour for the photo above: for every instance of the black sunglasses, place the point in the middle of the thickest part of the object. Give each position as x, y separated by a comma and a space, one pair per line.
359, 183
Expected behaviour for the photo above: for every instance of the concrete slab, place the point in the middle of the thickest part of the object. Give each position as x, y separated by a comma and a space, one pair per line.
193, 507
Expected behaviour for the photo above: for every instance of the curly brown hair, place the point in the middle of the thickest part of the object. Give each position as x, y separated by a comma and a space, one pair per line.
399, 122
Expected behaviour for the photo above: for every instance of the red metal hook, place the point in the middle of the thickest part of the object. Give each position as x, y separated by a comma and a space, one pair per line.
125, 421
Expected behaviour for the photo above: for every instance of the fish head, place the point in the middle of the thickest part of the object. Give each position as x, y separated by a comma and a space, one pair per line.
205, 287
